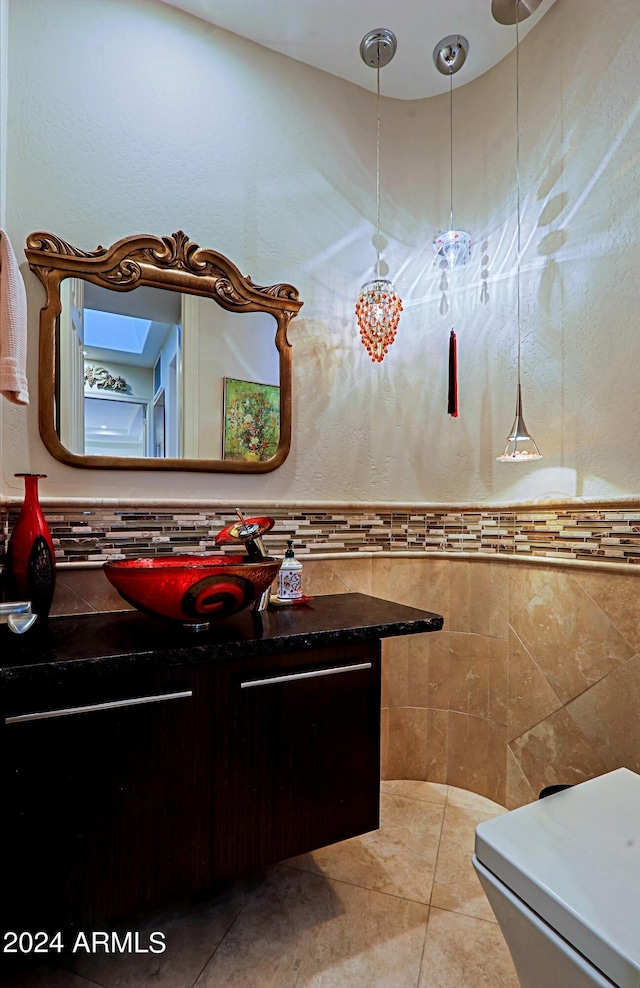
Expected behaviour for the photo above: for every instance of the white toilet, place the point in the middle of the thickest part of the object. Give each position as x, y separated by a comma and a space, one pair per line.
563, 879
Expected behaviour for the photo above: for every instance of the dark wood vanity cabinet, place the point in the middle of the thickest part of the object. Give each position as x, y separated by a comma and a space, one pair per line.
297, 741
121, 794
140, 763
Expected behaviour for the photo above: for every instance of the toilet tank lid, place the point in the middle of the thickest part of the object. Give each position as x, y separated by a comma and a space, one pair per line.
574, 858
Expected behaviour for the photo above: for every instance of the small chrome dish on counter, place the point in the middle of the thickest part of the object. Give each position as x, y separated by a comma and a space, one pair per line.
18, 616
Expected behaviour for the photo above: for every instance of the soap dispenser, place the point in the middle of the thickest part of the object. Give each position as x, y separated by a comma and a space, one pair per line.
290, 576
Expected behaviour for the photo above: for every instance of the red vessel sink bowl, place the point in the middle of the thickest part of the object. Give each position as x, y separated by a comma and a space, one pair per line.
192, 589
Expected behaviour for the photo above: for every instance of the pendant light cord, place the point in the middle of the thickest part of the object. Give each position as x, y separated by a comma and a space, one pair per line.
451, 150
518, 183
378, 169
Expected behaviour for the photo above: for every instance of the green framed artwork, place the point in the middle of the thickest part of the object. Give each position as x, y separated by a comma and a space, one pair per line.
251, 420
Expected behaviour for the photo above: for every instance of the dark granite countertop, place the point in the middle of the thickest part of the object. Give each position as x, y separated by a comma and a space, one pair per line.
123, 641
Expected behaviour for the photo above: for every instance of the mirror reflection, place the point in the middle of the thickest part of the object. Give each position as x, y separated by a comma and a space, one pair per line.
156, 353
157, 373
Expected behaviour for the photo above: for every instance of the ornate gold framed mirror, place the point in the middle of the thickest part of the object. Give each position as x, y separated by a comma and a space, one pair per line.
158, 354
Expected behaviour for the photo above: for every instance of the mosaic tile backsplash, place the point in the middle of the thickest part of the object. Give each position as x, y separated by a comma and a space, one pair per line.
97, 534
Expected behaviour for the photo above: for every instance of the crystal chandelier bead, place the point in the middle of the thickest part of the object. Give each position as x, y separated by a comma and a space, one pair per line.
378, 310
454, 247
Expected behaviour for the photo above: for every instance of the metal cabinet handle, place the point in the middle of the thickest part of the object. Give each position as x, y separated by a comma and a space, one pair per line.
313, 673
92, 707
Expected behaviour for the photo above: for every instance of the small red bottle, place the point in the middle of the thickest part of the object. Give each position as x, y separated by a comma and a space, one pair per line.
31, 568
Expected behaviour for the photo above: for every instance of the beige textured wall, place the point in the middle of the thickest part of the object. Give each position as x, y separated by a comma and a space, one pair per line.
147, 119
4, 98
535, 679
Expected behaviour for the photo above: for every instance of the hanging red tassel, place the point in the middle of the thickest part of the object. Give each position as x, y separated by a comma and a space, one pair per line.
453, 377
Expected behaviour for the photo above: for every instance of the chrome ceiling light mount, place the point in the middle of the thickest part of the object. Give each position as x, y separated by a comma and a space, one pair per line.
520, 445
512, 11
379, 306
378, 47
452, 246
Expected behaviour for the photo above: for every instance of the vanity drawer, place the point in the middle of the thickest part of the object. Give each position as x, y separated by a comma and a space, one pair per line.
298, 754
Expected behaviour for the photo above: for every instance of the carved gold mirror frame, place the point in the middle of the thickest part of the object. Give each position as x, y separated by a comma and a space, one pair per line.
174, 263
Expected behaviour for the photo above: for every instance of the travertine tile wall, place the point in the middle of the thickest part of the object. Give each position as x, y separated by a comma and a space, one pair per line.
534, 680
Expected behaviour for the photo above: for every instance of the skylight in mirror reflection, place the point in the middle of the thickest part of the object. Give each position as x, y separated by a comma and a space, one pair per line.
111, 331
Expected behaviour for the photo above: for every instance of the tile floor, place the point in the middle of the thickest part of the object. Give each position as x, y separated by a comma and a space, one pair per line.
398, 908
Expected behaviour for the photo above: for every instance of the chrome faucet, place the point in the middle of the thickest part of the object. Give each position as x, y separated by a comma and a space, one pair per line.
251, 536
249, 532
255, 548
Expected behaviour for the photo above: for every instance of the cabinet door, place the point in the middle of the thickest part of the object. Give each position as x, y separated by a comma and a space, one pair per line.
107, 797
298, 737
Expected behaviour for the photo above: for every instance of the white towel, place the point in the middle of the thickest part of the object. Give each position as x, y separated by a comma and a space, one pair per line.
13, 327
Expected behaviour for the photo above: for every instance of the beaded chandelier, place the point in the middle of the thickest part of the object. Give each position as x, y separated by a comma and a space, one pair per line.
379, 306
451, 246
378, 310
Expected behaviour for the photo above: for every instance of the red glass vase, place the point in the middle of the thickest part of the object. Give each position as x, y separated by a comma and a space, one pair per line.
31, 568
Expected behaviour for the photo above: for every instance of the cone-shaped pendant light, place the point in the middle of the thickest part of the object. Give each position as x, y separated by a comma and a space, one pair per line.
520, 446
379, 306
